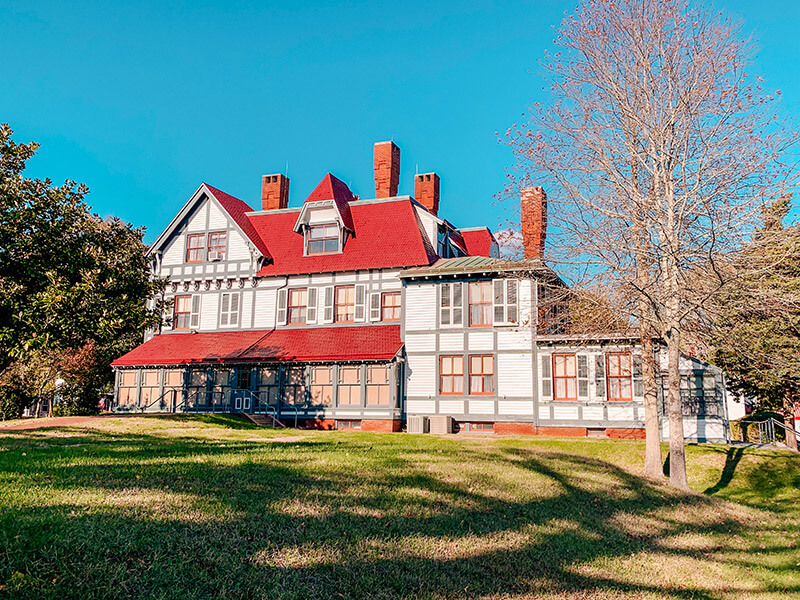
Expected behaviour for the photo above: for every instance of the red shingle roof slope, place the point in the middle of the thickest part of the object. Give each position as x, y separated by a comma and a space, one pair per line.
387, 235
478, 242
237, 209
374, 342
331, 188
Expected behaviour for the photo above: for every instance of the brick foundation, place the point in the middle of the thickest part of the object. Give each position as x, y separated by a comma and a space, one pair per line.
381, 425
312, 423
514, 428
625, 434
562, 431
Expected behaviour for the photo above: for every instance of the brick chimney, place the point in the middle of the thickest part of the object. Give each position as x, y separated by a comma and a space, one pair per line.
274, 192
533, 220
387, 169
426, 191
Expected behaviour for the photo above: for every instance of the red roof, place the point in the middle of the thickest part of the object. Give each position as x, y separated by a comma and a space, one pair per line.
331, 188
478, 241
372, 342
386, 235
236, 209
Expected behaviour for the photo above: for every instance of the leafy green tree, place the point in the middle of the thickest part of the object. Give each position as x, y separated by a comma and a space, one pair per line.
67, 277
756, 338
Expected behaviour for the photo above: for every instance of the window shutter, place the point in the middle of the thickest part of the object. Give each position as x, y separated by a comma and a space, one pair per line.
195, 319
223, 309
600, 375
512, 302
311, 309
282, 307
547, 379
458, 306
327, 315
583, 376
499, 301
360, 303
638, 385
375, 307
234, 314
445, 305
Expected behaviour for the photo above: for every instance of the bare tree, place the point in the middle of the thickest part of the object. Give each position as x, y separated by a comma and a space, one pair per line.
659, 151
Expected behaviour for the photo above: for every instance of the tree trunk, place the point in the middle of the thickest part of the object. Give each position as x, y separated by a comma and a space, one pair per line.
652, 443
677, 452
788, 420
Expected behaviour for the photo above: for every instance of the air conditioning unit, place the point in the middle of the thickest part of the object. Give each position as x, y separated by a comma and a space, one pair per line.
214, 255
417, 424
439, 424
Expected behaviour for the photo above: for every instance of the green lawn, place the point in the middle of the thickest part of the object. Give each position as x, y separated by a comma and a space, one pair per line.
213, 508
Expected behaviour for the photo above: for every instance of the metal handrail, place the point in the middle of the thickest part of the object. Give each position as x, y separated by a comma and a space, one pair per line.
766, 430
172, 391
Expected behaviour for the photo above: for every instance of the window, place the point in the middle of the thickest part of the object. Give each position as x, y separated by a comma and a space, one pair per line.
229, 309
196, 387
173, 388
194, 247
349, 386
150, 387
451, 375
295, 388
619, 376
480, 303
565, 377
390, 306
323, 239
451, 307
298, 301
348, 425
321, 385
583, 376
378, 392
217, 244
268, 384
481, 426
505, 301
344, 309
186, 312
481, 374
127, 388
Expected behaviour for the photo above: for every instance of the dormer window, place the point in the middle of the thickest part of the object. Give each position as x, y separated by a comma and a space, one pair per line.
323, 239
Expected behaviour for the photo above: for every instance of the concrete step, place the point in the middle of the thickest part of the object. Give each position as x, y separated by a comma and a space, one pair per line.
262, 420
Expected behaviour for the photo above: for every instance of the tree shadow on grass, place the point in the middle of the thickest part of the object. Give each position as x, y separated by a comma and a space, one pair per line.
271, 521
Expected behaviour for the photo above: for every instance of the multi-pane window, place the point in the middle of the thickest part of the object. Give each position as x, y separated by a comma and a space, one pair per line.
186, 312
323, 239
390, 306
481, 374
451, 375
480, 303
268, 384
618, 373
197, 381
127, 394
298, 302
348, 425
565, 380
195, 243
505, 301
345, 302
229, 309
173, 387
217, 244
150, 387
378, 392
451, 305
349, 386
321, 385
294, 390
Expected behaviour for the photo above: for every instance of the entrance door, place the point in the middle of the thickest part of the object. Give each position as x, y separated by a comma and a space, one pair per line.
243, 391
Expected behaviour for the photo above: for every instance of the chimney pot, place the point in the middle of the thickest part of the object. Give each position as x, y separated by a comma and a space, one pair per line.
533, 221
386, 163
426, 191
274, 192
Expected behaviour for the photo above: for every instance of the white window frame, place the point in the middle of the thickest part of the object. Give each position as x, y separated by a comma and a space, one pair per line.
228, 317
505, 312
447, 290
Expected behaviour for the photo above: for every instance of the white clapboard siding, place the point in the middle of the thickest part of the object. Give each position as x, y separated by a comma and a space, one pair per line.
198, 220
422, 375
515, 407
237, 247
544, 413
480, 341
514, 340
174, 253
420, 307
481, 407
593, 413
420, 407
345, 278
421, 342
525, 291
209, 312
216, 218
322, 214
620, 413
321, 279
451, 342
565, 413
514, 377
264, 309
246, 309
451, 407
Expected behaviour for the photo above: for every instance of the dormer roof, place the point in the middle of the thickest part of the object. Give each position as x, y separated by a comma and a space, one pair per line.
331, 189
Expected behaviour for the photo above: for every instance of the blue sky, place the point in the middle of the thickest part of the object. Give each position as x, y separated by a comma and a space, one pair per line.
143, 101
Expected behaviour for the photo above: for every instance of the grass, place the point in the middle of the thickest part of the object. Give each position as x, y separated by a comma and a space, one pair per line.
193, 507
